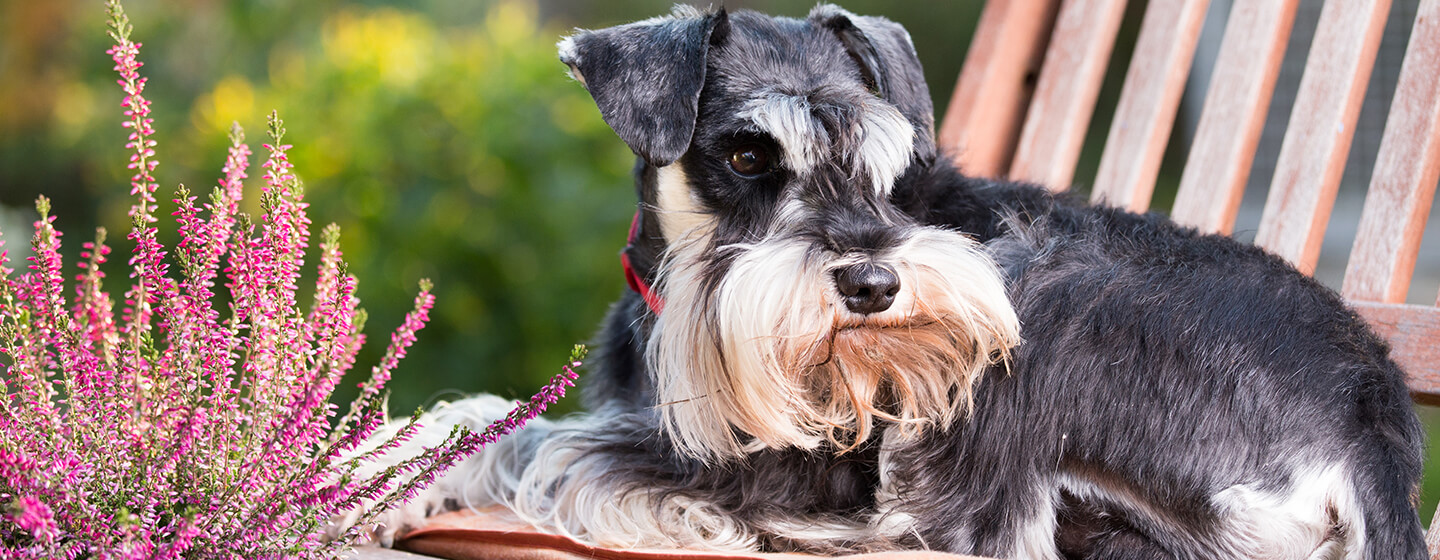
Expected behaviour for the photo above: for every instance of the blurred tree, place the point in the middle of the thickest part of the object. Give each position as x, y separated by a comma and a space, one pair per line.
464, 155
461, 153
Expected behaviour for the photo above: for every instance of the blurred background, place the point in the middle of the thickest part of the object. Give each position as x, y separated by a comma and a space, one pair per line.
443, 136
445, 139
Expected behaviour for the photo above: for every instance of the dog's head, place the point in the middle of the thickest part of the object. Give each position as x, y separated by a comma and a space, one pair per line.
800, 305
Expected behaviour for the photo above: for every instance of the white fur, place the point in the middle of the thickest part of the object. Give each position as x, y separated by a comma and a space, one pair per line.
889, 520
788, 119
1294, 523
886, 137
544, 477
888, 141
1036, 538
681, 216
564, 491
571, 57
478, 481
721, 362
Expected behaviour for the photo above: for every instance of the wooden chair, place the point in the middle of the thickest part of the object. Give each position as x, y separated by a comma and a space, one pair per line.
1024, 100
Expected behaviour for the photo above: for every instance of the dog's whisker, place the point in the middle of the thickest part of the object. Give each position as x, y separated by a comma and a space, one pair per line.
681, 401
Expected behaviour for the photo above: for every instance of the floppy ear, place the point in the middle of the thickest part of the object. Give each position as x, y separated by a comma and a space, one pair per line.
889, 66
646, 77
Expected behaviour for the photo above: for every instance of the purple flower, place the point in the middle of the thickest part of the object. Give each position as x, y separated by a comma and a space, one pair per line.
33, 516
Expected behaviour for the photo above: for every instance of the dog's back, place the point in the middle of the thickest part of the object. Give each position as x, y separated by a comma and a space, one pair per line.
1175, 392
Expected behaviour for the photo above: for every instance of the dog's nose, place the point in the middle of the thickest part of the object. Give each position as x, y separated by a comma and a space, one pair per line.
867, 287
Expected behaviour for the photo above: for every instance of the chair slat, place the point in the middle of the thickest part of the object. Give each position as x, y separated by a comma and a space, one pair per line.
983, 118
1059, 114
1322, 123
1407, 167
1432, 536
1234, 114
1412, 331
1146, 111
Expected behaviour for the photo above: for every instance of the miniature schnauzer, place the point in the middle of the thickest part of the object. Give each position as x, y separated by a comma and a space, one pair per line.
836, 341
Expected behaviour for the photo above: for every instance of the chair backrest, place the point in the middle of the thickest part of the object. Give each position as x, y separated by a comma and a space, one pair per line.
1024, 100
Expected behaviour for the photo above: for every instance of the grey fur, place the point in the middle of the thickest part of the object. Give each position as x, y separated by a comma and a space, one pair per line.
646, 78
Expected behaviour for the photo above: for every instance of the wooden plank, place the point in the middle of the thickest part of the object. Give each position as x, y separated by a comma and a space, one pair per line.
1407, 168
1432, 536
983, 118
1312, 156
1412, 331
1148, 102
1234, 114
377, 553
1059, 114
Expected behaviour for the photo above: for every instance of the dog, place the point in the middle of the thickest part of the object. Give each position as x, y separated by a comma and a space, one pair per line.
836, 341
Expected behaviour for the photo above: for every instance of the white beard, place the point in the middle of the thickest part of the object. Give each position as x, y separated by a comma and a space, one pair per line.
772, 352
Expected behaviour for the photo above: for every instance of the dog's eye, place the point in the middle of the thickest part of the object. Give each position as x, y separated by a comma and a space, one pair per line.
750, 160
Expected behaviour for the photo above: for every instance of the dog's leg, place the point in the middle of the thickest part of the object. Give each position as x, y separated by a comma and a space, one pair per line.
485, 479
1001, 517
1126, 545
1090, 532
618, 482
1387, 469
597, 480
584, 476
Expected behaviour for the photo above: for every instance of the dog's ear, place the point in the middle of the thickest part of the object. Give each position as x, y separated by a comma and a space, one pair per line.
646, 77
889, 66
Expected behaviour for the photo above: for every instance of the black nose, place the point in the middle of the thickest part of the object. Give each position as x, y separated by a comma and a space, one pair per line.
867, 287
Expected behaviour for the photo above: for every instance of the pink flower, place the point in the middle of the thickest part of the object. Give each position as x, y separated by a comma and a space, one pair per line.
34, 517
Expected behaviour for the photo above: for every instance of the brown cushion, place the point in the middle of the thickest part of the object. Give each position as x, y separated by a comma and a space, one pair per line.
469, 535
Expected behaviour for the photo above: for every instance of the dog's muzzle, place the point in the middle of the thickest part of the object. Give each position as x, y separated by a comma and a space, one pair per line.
792, 344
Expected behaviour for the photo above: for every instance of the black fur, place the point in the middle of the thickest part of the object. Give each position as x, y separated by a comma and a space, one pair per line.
646, 80
1172, 362
887, 63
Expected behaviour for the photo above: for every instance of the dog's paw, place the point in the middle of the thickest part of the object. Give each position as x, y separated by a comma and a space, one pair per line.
446, 493
398, 521
393, 524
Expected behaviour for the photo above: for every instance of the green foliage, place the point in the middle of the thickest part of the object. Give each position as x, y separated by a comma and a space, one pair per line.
460, 153
464, 155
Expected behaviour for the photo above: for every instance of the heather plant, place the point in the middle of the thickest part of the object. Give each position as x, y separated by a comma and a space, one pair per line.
197, 423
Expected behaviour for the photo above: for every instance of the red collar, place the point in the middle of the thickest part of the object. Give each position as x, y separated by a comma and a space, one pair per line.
636, 281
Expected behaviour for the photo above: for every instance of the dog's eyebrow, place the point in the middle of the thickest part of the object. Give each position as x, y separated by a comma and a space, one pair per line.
881, 145
887, 146
791, 121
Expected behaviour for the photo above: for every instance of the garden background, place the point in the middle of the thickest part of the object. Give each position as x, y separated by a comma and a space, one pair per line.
441, 135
